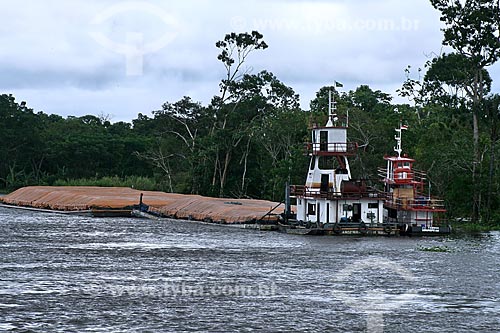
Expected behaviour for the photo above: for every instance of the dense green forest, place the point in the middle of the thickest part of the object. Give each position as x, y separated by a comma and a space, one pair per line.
249, 140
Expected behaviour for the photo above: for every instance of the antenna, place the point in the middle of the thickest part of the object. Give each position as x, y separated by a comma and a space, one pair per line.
398, 149
332, 109
332, 105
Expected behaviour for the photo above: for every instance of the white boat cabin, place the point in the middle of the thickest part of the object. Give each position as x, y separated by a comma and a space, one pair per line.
330, 195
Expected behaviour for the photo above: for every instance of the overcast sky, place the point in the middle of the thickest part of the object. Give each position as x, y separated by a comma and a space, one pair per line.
121, 58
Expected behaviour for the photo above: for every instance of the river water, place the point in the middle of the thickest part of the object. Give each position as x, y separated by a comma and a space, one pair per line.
76, 274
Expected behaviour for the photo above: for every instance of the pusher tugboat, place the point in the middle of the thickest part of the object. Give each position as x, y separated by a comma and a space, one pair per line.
407, 205
332, 202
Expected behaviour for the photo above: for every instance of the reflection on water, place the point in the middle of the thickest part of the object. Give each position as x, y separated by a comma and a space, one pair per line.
63, 273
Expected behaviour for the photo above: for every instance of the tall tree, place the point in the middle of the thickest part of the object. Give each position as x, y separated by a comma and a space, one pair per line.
472, 28
176, 133
492, 106
234, 50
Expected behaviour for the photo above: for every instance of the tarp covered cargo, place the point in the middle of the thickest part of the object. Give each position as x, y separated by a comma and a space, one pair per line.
74, 198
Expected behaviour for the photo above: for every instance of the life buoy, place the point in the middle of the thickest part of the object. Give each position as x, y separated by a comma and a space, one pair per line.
387, 229
337, 228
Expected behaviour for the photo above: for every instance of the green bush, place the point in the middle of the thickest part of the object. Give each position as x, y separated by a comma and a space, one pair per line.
136, 182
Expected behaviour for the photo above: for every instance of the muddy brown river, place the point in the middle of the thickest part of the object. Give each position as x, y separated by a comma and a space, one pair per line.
77, 274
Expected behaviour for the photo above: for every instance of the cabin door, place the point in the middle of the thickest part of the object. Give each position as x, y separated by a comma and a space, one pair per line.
323, 140
325, 179
356, 212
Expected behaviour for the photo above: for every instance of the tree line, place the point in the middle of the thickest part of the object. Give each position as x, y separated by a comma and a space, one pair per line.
249, 140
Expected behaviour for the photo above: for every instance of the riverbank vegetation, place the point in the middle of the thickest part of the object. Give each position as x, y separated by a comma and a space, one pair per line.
461, 227
248, 141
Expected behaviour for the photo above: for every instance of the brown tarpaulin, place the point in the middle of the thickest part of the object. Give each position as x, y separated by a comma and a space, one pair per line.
71, 198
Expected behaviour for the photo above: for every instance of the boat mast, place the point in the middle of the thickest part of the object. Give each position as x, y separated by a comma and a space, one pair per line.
398, 149
332, 109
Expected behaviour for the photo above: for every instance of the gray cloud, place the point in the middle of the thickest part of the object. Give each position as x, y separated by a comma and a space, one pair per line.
54, 61
57, 78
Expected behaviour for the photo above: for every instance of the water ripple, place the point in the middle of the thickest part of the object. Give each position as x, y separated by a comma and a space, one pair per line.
72, 274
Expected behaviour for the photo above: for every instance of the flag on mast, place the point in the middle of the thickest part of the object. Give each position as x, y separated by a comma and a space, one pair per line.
338, 84
404, 127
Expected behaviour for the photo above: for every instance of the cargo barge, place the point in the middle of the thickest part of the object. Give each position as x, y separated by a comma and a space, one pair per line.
127, 202
330, 203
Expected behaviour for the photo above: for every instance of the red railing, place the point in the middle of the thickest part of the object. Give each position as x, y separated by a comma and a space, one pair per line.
412, 176
423, 204
304, 191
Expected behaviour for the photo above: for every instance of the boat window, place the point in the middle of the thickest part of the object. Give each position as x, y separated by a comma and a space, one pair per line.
347, 208
373, 205
311, 209
323, 140
407, 164
326, 162
392, 213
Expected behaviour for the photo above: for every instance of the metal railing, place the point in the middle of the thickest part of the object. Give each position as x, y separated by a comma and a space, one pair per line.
304, 191
332, 148
420, 203
414, 176
423, 204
